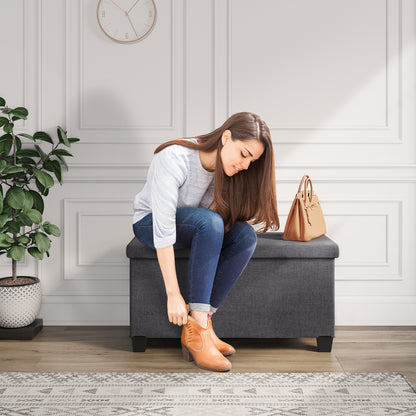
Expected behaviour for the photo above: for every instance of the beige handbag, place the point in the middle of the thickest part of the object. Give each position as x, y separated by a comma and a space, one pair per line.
306, 220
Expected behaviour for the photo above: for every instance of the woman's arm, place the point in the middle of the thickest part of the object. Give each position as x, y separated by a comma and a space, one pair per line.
175, 303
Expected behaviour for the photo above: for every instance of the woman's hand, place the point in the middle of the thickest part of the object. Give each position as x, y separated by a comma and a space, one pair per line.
177, 309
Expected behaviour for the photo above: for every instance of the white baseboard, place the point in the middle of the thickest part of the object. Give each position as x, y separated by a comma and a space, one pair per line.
349, 310
375, 310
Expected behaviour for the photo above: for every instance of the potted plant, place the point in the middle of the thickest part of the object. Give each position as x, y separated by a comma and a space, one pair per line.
26, 171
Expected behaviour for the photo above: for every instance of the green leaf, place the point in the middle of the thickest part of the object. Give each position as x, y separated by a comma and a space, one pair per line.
27, 136
52, 229
27, 153
73, 139
6, 143
33, 251
44, 178
3, 121
42, 242
7, 210
43, 136
13, 169
44, 191
7, 238
62, 161
7, 110
26, 161
28, 204
15, 197
61, 152
3, 219
12, 227
62, 136
55, 167
47, 165
2, 102
6, 137
41, 153
3, 165
20, 112
34, 215
23, 239
8, 127
16, 253
37, 201
18, 143
4, 244
24, 220
1, 202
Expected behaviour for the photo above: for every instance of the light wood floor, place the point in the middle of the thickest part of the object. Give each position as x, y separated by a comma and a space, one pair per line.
106, 349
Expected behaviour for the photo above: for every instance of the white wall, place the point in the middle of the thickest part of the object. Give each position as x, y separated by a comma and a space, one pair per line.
334, 79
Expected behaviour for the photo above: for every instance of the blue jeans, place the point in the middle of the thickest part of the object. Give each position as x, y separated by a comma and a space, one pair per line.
216, 260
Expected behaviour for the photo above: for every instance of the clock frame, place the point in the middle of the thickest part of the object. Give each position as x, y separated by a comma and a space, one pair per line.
131, 28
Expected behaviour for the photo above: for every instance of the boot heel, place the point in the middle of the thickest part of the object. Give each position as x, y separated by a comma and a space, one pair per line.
187, 354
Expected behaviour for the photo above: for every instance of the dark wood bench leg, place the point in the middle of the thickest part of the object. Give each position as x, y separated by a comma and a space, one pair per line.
139, 344
324, 343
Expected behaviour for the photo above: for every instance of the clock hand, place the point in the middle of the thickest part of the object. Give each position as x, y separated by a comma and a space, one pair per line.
115, 4
134, 5
132, 24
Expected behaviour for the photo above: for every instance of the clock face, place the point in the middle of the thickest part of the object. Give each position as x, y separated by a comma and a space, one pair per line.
126, 21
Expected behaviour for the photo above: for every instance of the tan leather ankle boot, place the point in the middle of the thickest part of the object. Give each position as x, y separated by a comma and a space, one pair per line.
197, 344
222, 347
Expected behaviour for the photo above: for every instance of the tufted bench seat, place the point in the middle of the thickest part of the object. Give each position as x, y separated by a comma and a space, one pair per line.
286, 291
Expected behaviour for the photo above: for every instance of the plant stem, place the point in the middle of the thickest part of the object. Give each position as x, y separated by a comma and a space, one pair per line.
14, 140
14, 262
14, 270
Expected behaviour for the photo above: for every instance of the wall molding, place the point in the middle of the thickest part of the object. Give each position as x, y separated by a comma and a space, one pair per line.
285, 173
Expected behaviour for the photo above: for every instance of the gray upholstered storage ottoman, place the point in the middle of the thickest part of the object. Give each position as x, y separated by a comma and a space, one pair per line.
286, 291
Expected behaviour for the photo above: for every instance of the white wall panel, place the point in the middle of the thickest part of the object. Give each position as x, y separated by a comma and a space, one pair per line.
19, 74
343, 65
334, 79
95, 238
125, 93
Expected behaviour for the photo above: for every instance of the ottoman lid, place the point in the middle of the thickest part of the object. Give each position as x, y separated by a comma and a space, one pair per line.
269, 245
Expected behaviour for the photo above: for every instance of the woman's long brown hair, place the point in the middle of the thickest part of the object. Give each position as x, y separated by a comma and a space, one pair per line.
249, 195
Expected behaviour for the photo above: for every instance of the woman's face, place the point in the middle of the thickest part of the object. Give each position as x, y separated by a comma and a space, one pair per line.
236, 155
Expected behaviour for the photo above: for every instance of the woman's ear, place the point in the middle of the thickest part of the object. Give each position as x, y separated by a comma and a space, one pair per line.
226, 136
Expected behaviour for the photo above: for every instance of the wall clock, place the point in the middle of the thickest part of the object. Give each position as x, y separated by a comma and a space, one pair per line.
126, 21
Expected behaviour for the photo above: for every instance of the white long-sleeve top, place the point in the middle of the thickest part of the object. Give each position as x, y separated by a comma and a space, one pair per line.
176, 179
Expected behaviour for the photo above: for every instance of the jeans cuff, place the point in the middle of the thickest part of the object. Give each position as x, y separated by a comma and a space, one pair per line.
213, 310
203, 307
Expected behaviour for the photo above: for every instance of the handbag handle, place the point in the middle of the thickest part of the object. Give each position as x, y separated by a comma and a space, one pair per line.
305, 193
303, 178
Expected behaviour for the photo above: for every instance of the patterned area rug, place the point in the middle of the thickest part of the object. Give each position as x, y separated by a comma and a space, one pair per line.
194, 394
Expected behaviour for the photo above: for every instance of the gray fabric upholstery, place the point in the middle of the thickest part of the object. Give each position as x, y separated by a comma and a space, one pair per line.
269, 245
286, 291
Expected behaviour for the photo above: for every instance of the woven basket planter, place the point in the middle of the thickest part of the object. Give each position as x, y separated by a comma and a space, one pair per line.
20, 304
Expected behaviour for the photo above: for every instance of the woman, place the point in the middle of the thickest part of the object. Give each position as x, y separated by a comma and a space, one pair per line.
200, 193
